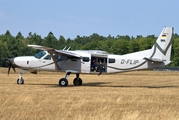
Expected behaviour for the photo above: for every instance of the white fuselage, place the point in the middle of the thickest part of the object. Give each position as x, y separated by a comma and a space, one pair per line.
112, 63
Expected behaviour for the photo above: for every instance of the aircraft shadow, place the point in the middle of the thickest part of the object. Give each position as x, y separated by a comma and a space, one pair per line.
95, 84
91, 84
151, 87
104, 84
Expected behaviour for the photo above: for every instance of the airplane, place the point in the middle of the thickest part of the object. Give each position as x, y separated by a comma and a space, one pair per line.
81, 61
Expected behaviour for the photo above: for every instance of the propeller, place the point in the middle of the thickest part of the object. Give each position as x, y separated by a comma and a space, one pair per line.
10, 61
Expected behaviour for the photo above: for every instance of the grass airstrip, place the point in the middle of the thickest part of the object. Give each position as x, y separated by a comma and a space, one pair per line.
138, 95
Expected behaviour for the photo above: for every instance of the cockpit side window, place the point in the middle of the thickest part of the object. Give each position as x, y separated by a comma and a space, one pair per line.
48, 57
40, 54
56, 57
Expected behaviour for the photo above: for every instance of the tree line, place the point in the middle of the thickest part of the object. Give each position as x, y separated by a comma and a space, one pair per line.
12, 46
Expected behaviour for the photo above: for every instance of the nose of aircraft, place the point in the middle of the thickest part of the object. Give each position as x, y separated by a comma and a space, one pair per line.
10, 61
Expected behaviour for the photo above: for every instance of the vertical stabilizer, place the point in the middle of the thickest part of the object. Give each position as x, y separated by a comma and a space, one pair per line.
161, 50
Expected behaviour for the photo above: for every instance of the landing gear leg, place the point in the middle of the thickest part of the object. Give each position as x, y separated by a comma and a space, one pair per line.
20, 80
77, 81
64, 81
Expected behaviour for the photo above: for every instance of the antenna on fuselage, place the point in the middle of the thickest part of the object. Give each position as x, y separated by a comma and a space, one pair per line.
68, 48
64, 48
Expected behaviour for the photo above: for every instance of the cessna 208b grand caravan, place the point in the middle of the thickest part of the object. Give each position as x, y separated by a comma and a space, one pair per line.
81, 61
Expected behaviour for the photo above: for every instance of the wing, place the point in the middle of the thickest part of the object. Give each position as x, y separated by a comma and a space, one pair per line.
52, 51
40, 47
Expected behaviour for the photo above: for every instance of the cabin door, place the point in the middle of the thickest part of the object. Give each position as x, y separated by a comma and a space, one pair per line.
47, 63
98, 63
85, 63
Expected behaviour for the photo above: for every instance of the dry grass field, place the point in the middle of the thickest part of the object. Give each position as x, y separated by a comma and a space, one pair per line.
139, 95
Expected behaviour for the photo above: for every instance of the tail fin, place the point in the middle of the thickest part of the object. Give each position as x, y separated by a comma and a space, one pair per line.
161, 50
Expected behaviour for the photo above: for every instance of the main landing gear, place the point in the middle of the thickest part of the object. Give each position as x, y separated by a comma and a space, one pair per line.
64, 81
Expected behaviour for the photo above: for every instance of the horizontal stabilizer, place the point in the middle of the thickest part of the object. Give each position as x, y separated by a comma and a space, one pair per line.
154, 60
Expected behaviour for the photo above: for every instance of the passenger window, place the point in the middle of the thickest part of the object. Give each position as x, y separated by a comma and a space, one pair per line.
74, 58
85, 59
62, 58
48, 57
112, 60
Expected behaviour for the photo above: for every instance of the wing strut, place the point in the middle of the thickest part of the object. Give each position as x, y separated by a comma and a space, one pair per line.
51, 54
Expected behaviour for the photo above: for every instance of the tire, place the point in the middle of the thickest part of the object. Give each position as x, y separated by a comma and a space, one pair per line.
20, 81
63, 82
77, 81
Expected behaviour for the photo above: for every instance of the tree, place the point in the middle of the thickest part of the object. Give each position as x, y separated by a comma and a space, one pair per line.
133, 46
50, 41
8, 33
19, 36
11, 46
175, 53
120, 47
61, 42
34, 39
4, 52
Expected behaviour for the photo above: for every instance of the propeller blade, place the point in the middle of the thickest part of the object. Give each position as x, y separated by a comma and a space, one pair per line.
13, 68
9, 68
10, 62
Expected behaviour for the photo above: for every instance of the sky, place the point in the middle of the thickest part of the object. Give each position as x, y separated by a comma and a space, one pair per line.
70, 18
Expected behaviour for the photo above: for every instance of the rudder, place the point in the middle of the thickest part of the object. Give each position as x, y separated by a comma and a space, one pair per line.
161, 50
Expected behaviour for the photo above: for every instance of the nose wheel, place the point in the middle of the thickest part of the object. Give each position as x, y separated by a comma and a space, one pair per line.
20, 81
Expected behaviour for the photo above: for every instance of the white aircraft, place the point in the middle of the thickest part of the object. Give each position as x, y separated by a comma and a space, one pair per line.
81, 61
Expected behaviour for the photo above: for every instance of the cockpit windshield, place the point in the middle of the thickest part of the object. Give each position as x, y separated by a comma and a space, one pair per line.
40, 54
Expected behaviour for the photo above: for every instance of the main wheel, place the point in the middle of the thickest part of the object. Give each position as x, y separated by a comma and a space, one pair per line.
63, 82
20, 81
77, 81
